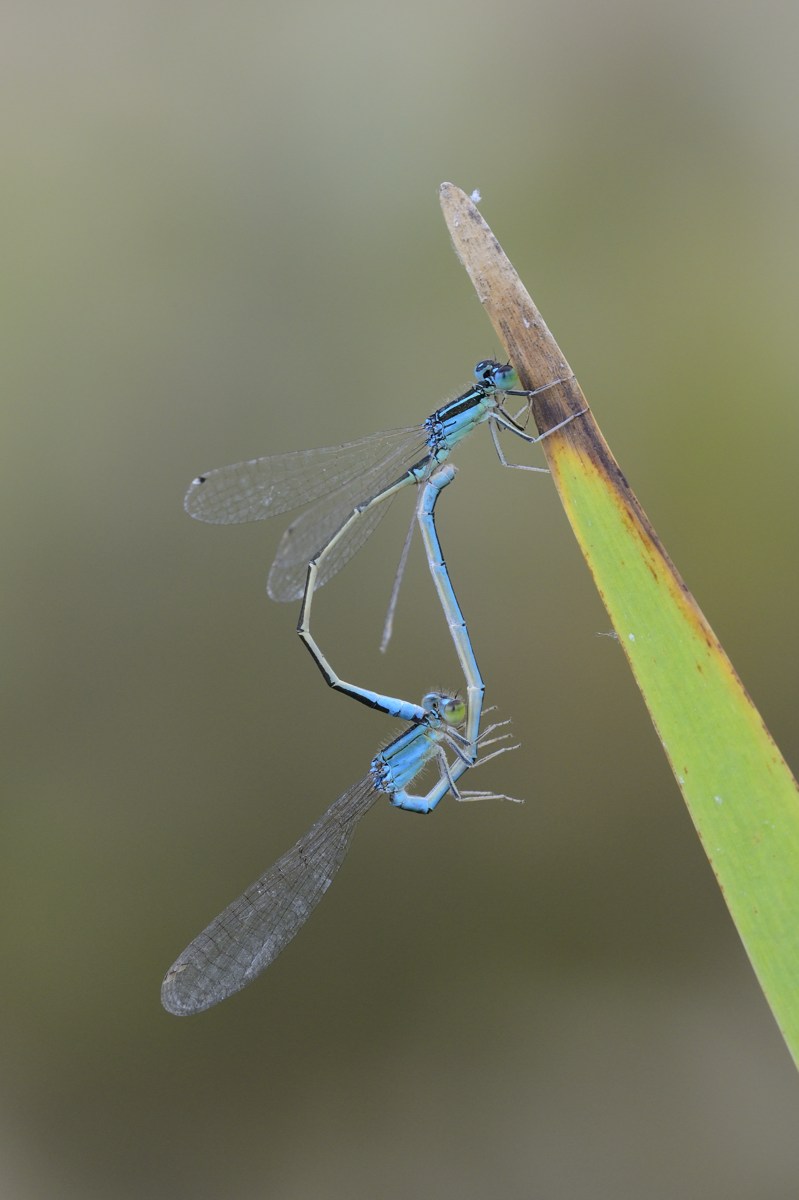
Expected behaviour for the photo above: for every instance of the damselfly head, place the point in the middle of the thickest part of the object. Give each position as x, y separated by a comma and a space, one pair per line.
443, 706
500, 377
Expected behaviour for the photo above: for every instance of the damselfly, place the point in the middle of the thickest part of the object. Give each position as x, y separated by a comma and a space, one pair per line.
346, 486
244, 939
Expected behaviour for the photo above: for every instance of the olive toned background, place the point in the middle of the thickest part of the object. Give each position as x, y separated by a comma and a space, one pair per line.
222, 239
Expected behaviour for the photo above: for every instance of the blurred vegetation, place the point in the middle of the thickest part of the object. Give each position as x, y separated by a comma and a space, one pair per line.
222, 238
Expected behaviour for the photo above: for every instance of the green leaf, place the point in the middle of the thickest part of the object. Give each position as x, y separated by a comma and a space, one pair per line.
739, 791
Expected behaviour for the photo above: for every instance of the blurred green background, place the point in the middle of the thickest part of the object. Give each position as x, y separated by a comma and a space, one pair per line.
222, 239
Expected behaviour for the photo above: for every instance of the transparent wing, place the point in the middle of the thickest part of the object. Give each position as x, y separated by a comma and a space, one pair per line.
267, 487
244, 939
288, 573
312, 530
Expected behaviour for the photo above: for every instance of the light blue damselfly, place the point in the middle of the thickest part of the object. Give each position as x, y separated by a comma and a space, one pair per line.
345, 486
250, 933
244, 939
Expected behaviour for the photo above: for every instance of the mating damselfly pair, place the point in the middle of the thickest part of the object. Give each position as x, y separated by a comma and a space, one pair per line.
347, 488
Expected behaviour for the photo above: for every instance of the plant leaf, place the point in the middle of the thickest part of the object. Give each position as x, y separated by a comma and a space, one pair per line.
739, 791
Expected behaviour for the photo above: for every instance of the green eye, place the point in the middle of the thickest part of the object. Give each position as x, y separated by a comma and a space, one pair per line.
505, 377
454, 711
